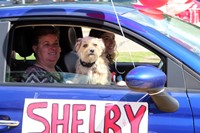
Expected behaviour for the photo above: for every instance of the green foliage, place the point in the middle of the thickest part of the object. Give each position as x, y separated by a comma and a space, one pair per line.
31, 57
137, 57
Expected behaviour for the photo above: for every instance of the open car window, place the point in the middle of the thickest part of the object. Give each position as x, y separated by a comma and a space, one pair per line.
129, 54
130, 51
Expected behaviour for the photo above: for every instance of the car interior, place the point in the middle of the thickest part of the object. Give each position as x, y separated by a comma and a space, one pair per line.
22, 53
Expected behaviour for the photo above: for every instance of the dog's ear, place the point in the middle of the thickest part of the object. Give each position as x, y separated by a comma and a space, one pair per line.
78, 44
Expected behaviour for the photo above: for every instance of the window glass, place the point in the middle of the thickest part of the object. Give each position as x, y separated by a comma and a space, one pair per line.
129, 51
68, 78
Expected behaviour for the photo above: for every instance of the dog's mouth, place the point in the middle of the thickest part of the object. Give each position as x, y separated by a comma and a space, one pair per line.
91, 54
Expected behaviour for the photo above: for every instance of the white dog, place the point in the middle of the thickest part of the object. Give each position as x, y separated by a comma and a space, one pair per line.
92, 60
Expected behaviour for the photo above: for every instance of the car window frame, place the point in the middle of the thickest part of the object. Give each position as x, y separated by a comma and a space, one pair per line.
5, 27
106, 26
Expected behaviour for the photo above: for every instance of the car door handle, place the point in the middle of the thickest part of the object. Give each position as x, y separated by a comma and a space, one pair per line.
9, 123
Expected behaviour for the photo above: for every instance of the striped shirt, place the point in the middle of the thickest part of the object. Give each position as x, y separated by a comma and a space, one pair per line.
35, 74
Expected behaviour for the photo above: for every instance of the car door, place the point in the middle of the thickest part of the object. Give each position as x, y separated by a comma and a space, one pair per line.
16, 98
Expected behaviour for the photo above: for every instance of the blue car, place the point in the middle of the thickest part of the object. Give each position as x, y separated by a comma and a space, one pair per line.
155, 85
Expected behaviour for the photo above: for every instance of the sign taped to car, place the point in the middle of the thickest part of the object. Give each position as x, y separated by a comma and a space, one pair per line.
84, 116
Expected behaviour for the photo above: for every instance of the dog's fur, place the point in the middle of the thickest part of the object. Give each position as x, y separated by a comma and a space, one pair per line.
92, 60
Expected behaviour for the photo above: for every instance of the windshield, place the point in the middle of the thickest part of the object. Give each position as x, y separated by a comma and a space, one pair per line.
184, 33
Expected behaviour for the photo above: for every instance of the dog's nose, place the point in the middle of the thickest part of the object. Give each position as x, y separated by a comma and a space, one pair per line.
91, 50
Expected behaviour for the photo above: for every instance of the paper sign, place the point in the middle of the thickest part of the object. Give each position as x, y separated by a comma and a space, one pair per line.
84, 116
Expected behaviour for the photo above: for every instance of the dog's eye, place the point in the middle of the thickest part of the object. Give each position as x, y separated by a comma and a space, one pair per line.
95, 44
85, 45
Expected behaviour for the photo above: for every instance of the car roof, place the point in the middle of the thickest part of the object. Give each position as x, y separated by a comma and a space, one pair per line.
58, 9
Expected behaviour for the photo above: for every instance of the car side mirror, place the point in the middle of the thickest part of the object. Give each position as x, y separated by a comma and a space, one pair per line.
151, 80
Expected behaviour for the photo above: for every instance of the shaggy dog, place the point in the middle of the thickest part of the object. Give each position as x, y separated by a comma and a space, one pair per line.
92, 60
